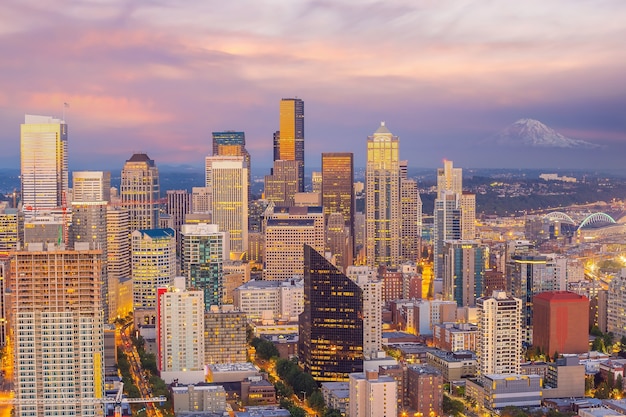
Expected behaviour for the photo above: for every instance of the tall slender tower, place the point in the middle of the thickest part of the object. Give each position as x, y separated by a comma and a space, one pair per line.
411, 209
90, 196
44, 170
289, 143
382, 208
57, 332
140, 192
499, 334
227, 176
205, 248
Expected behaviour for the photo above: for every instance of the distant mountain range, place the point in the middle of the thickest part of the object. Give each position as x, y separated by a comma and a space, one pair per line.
533, 133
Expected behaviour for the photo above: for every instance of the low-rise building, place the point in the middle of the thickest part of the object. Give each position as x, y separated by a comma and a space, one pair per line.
230, 372
336, 396
565, 379
503, 390
198, 398
425, 390
455, 336
453, 365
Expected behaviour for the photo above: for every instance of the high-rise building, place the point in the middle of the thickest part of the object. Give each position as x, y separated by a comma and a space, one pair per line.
316, 181
331, 325
90, 196
231, 143
526, 276
180, 329
281, 185
372, 395
44, 171
140, 192
464, 271
372, 289
337, 189
447, 226
11, 228
561, 322
499, 334
205, 248
201, 200
449, 179
178, 206
291, 137
467, 204
382, 208
286, 230
57, 332
338, 241
280, 300
89, 186
153, 260
227, 176
118, 256
225, 335
411, 212
338, 186
5, 265
616, 305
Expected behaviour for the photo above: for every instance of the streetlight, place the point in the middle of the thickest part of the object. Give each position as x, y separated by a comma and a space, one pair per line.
304, 395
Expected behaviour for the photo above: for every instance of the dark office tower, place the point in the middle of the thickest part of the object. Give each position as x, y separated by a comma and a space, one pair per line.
338, 186
276, 138
290, 138
230, 143
331, 325
140, 192
178, 206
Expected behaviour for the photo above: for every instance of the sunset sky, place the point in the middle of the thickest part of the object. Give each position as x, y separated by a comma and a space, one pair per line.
160, 75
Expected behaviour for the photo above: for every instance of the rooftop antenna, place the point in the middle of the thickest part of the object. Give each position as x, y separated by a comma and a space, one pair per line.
65, 106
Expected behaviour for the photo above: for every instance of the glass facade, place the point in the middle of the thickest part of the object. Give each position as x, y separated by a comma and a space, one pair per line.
331, 325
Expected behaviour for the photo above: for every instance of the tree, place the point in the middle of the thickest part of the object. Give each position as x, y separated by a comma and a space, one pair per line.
452, 406
316, 401
619, 383
333, 412
283, 390
595, 331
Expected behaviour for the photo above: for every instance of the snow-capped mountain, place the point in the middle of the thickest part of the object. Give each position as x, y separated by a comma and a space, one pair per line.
530, 132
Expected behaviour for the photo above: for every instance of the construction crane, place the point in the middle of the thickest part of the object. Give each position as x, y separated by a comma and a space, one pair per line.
117, 401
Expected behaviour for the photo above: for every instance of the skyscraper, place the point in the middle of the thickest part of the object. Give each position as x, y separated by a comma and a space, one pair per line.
372, 395
331, 325
57, 332
44, 171
90, 195
281, 185
382, 208
499, 334
289, 143
447, 226
449, 179
140, 192
178, 206
286, 230
464, 271
338, 187
205, 248
153, 256
227, 176
118, 255
411, 209
231, 143
180, 329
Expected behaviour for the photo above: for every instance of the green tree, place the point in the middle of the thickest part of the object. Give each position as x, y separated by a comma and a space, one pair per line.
452, 407
333, 412
316, 401
283, 390
619, 383
608, 341
595, 331
603, 391
304, 382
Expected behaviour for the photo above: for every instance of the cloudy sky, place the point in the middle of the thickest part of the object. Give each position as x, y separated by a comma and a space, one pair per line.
160, 75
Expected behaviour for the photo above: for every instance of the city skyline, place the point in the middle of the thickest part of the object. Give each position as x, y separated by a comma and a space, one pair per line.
159, 78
